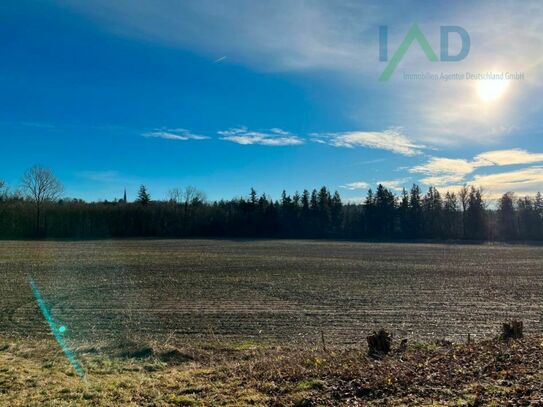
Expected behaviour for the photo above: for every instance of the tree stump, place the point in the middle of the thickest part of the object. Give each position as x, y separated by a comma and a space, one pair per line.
379, 343
512, 330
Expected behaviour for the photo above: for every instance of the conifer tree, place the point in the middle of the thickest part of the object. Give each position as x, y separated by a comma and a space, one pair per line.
143, 196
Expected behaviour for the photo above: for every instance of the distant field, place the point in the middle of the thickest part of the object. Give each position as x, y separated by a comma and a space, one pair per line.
279, 291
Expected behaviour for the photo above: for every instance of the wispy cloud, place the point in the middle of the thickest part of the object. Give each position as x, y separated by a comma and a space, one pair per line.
508, 157
444, 171
273, 137
393, 184
523, 182
340, 38
391, 140
355, 185
174, 134
281, 35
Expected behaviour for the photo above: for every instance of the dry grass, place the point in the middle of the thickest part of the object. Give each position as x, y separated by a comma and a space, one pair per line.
202, 322
33, 373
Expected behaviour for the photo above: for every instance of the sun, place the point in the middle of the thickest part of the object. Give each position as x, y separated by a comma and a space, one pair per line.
491, 90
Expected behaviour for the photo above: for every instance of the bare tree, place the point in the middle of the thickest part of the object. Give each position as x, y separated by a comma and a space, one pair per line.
40, 185
193, 196
188, 196
175, 195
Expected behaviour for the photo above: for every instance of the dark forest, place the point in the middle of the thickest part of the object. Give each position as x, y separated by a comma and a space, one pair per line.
37, 210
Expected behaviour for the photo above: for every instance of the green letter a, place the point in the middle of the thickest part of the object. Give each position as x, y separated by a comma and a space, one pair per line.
414, 34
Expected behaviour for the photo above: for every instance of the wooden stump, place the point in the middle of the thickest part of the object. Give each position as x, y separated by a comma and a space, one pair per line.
512, 330
379, 343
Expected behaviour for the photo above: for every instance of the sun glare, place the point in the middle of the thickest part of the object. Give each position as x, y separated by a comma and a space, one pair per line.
490, 90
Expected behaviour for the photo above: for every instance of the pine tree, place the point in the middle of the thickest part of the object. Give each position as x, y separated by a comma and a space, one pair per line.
475, 219
285, 199
253, 198
337, 209
415, 212
463, 195
305, 201
143, 196
324, 201
313, 203
385, 205
403, 212
432, 207
506, 217
451, 217
369, 215
296, 199
527, 219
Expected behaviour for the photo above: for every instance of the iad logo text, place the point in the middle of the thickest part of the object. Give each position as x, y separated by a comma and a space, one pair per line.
415, 33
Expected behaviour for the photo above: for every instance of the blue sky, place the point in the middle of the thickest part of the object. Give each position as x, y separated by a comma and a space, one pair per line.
227, 95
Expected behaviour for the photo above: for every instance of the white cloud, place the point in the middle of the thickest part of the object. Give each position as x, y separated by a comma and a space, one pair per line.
444, 171
174, 134
508, 157
282, 132
341, 38
394, 184
355, 185
526, 181
391, 140
273, 137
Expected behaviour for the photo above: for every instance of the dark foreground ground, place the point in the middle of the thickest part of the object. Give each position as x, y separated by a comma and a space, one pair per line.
489, 373
207, 322
281, 292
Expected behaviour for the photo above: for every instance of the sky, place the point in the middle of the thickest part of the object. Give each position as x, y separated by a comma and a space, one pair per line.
225, 96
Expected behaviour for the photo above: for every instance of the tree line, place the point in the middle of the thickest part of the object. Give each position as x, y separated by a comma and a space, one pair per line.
36, 209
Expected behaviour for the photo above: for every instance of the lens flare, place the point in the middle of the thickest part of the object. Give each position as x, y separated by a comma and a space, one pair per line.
491, 90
